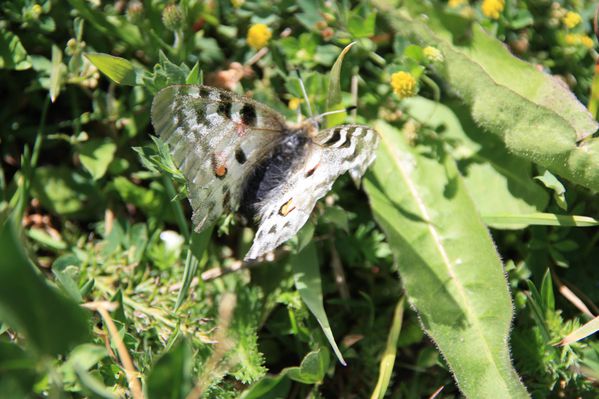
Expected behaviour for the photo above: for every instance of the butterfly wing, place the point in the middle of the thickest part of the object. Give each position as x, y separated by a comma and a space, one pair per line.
215, 138
331, 153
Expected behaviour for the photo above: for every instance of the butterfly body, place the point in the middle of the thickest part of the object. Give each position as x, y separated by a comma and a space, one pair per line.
237, 153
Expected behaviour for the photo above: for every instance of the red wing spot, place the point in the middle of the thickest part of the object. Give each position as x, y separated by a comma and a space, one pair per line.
311, 171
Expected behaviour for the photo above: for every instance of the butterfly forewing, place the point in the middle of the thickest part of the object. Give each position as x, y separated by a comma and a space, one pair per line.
331, 153
215, 137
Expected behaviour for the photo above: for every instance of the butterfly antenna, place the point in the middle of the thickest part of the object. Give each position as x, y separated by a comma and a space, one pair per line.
304, 93
337, 111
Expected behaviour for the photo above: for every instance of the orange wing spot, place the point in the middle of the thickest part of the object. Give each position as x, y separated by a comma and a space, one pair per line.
287, 207
218, 166
220, 171
241, 128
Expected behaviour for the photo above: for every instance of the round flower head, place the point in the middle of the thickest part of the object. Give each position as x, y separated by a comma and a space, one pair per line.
572, 19
258, 36
403, 84
492, 8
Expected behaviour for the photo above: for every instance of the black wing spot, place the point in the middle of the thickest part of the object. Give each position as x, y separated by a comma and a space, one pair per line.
224, 109
335, 137
273, 229
240, 156
227, 200
248, 114
204, 92
286, 225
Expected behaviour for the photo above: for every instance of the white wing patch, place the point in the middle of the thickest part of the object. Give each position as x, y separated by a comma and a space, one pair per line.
332, 153
215, 137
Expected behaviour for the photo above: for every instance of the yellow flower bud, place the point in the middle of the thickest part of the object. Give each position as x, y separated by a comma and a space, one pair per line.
432, 54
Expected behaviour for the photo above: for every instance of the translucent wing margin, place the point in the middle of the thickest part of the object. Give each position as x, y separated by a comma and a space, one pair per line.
331, 153
215, 138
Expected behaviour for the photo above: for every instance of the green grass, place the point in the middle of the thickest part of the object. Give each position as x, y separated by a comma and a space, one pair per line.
480, 211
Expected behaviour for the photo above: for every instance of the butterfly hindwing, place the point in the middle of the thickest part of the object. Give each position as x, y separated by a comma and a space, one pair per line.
215, 138
331, 153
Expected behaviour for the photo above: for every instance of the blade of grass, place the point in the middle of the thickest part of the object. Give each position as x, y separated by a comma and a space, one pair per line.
388, 359
580, 333
540, 219
307, 281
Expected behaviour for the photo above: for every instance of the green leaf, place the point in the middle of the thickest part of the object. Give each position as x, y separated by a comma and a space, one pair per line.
539, 219
65, 269
388, 359
51, 322
451, 272
110, 25
498, 182
312, 369
547, 295
64, 191
195, 76
359, 26
18, 369
531, 112
269, 387
96, 155
56, 73
119, 70
559, 191
171, 375
306, 276
334, 101
12, 52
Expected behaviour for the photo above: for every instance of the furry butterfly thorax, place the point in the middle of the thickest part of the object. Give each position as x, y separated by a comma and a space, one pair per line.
239, 154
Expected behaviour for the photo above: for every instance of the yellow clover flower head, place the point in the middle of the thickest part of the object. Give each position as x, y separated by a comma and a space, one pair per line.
456, 3
258, 36
574, 39
571, 19
492, 8
294, 103
433, 54
587, 41
403, 84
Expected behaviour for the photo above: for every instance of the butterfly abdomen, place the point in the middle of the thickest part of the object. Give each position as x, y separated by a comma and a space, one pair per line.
271, 173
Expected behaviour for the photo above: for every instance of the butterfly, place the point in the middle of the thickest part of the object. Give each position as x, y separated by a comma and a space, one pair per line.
239, 154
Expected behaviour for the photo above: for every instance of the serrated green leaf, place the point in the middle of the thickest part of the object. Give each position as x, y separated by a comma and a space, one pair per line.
119, 70
451, 272
96, 155
533, 113
306, 276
